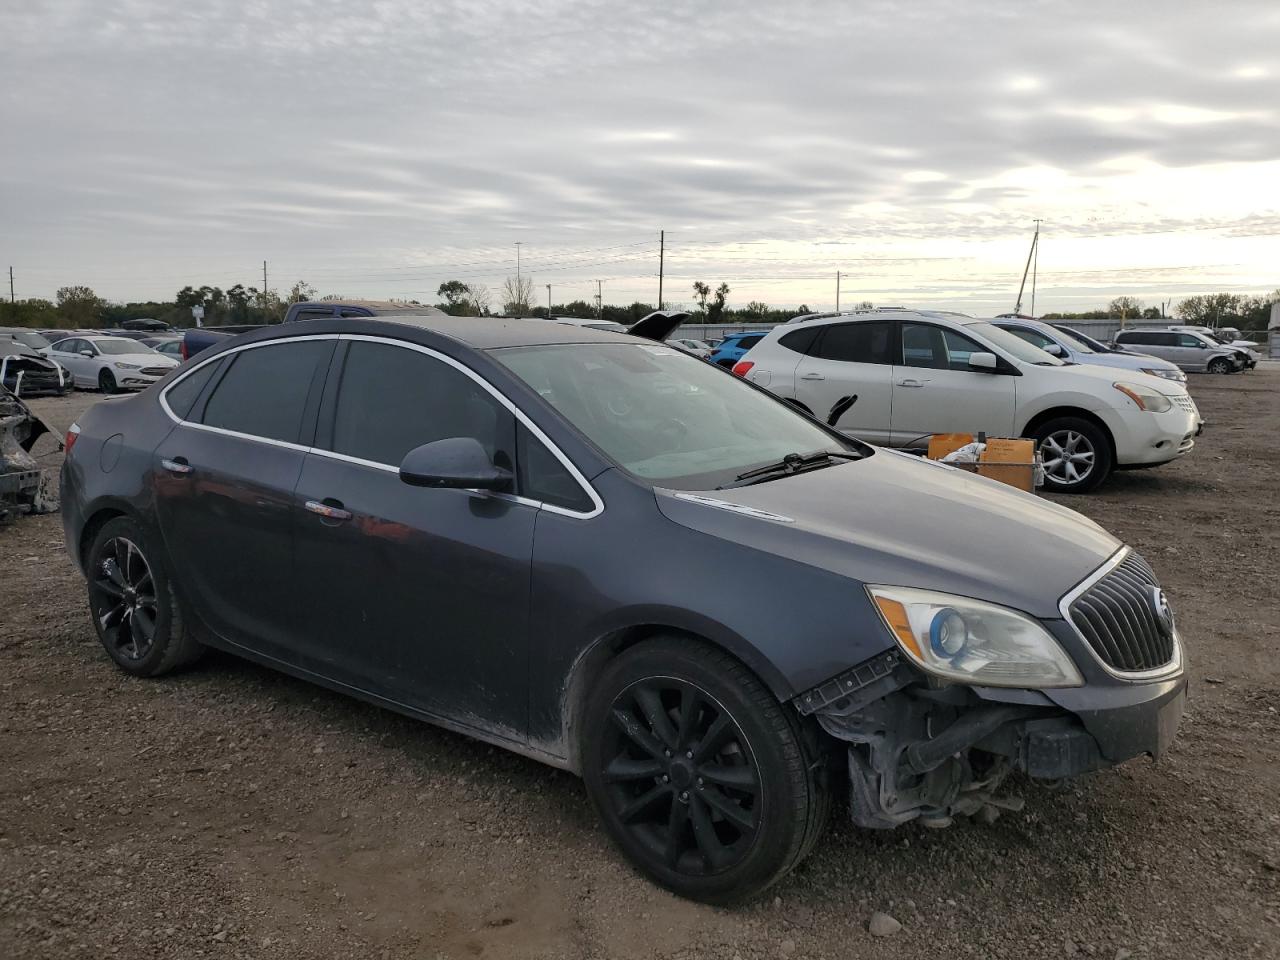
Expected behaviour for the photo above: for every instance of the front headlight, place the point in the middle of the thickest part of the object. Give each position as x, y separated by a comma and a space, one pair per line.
127, 366
974, 642
1174, 374
1147, 399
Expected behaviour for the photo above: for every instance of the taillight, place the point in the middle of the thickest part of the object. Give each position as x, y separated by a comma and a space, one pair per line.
743, 367
73, 432
182, 349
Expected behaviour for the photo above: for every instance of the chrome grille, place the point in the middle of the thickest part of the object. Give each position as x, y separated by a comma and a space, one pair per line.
155, 371
1118, 620
1185, 402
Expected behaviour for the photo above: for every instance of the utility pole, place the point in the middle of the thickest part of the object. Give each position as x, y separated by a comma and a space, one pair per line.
548, 301
599, 300
1035, 239
837, 291
662, 254
1035, 267
518, 242
11, 284
264, 281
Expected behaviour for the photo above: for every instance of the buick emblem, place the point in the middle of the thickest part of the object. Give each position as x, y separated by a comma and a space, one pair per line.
1160, 607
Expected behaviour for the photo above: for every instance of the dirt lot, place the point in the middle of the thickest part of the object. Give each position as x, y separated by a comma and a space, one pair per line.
231, 812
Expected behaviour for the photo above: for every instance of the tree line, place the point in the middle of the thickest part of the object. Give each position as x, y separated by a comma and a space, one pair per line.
80, 307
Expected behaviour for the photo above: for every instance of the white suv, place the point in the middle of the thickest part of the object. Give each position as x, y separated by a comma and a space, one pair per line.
897, 377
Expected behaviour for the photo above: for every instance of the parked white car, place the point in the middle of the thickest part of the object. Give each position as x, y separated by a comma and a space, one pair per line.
896, 378
109, 363
699, 348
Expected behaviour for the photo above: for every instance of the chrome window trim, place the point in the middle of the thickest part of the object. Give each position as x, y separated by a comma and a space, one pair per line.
587, 488
1170, 669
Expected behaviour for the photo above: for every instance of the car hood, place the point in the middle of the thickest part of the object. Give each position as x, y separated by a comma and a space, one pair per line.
1124, 361
896, 519
658, 325
143, 359
1073, 374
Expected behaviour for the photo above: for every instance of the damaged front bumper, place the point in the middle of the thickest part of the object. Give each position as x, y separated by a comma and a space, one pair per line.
24, 487
922, 749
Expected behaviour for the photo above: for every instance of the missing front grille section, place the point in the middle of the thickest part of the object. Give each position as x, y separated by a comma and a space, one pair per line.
857, 686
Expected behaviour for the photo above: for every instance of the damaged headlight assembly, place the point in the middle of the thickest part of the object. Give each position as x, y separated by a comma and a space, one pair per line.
973, 642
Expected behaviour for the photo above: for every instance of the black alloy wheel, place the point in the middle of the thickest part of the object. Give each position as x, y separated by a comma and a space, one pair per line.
706, 782
107, 381
682, 779
135, 610
123, 595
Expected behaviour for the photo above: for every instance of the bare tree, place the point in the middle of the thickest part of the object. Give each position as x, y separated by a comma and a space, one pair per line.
517, 296
479, 298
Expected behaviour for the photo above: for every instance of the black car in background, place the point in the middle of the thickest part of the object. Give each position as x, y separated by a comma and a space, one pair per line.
605, 554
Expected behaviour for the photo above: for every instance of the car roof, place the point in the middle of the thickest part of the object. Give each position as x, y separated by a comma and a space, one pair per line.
479, 333
383, 307
882, 313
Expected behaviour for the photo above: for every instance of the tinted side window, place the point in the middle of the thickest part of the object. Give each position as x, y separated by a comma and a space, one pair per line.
313, 314
392, 399
543, 477
750, 341
182, 395
936, 348
857, 343
1135, 337
264, 392
800, 340
1187, 340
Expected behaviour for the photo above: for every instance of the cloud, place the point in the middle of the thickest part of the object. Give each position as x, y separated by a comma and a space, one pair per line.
144, 142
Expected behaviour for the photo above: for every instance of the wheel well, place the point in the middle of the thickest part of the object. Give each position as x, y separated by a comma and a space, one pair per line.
1054, 413
589, 666
91, 528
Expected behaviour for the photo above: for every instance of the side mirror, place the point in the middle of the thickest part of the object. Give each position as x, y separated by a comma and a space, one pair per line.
1055, 350
986, 362
456, 463
87, 353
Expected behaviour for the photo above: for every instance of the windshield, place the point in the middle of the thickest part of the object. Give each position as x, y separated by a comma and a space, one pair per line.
1077, 344
32, 340
1092, 345
120, 346
664, 415
1013, 344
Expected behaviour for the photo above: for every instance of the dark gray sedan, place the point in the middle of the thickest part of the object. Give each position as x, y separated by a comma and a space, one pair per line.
602, 553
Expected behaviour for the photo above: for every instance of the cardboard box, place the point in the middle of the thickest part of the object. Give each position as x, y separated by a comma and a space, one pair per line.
1007, 459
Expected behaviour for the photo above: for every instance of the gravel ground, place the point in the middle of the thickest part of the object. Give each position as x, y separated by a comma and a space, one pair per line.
232, 812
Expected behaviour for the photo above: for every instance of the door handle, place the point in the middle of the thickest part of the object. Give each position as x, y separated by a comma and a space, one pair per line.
177, 465
329, 509
812, 376
912, 383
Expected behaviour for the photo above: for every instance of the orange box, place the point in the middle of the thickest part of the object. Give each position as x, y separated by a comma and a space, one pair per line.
1008, 460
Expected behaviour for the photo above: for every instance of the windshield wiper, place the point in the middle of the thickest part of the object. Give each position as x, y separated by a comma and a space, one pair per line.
791, 463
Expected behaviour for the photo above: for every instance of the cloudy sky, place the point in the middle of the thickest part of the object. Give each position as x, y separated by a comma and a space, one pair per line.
379, 147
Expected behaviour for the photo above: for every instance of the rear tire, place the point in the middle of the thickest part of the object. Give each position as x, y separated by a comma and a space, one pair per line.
1220, 365
107, 382
703, 779
1076, 452
134, 606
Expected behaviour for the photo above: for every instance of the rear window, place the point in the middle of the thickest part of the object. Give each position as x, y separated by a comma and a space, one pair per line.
264, 393
800, 340
182, 396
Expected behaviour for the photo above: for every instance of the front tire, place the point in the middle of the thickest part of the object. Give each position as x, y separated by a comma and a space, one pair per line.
135, 609
107, 382
702, 778
1076, 454
1220, 365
